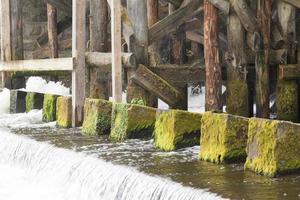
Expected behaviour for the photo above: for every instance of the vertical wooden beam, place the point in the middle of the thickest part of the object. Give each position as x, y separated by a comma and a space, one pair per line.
52, 31
213, 83
78, 52
152, 7
98, 42
116, 50
17, 51
287, 101
153, 17
5, 39
177, 55
237, 89
137, 11
264, 17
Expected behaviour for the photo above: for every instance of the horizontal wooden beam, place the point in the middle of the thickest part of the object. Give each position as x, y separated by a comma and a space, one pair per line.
293, 2
56, 64
97, 59
288, 72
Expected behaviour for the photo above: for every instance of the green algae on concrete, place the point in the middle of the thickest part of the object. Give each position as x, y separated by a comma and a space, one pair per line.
223, 138
97, 117
273, 147
177, 129
64, 112
287, 101
49, 108
131, 121
34, 101
237, 98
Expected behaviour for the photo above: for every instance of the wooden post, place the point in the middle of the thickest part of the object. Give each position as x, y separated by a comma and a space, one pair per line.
98, 43
137, 11
52, 31
152, 8
78, 52
177, 55
17, 51
116, 51
213, 84
5, 39
264, 17
237, 89
287, 102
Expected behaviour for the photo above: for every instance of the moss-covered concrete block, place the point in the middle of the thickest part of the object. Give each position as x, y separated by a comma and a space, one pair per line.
34, 101
97, 117
177, 129
237, 98
273, 147
17, 101
64, 112
223, 138
131, 121
49, 108
287, 101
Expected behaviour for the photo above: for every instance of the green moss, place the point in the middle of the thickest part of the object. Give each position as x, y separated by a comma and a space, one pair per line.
287, 101
237, 98
64, 112
223, 138
34, 101
97, 117
49, 108
138, 102
273, 147
177, 129
29, 101
131, 121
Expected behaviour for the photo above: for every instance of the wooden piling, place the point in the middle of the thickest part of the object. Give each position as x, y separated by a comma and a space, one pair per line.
98, 43
213, 84
264, 17
237, 89
78, 53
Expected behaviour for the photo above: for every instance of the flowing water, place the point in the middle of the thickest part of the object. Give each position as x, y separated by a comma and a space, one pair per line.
39, 161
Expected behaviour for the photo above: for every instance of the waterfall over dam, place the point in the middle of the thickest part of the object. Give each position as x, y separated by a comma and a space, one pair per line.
83, 177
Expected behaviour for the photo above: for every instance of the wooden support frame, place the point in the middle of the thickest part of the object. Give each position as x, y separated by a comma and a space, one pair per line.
78, 53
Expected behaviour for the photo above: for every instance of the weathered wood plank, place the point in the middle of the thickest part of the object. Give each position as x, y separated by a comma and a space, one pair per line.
78, 53
56, 64
176, 3
156, 85
116, 51
168, 24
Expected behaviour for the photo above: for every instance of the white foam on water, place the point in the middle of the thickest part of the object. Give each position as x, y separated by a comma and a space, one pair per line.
76, 176
4, 101
38, 84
